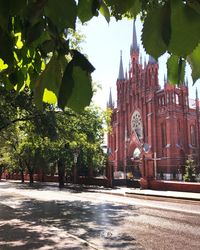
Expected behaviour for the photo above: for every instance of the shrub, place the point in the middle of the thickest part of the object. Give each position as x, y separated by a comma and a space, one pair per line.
198, 178
190, 175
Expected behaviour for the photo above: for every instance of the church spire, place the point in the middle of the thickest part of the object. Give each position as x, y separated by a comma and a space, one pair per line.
110, 103
186, 82
152, 60
197, 96
121, 70
165, 79
126, 75
134, 45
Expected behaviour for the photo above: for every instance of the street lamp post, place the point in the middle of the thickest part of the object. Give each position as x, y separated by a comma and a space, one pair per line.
107, 152
76, 154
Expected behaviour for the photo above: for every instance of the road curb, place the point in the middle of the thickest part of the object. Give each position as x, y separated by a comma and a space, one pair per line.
162, 197
148, 196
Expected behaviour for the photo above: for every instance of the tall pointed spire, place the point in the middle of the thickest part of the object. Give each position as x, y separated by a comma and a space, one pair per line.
110, 103
126, 75
134, 45
186, 82
121, 70
197, 96
165, 79
141, 62
145, 62
152, 60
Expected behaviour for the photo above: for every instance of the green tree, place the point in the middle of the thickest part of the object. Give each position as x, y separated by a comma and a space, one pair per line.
11, 155
32, 139
79, 133
36, 47
25, 132
190, 172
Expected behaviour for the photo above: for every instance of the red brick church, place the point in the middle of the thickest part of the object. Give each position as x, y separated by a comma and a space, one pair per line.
154, 130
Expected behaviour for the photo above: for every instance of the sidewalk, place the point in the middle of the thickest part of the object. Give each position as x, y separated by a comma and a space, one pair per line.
138, 193
145, 193
122, 191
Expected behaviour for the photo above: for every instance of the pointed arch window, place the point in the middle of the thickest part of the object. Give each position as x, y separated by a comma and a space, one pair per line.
163, 134
168, 98
193, 135
177, 98
186, 101
179, 132
163, 100
173, 98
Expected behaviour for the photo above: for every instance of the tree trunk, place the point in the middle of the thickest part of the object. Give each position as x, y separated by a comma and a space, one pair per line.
61, 174
22, 175
30, 175
21, 170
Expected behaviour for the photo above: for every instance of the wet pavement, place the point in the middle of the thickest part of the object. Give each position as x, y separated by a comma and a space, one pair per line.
46, 218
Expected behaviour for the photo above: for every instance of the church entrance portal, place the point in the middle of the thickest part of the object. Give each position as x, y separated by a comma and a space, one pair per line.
133, 170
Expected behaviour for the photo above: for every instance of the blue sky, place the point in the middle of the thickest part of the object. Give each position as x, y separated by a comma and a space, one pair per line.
103, 44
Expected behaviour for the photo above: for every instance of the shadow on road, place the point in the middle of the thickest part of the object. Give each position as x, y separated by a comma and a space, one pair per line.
33, 224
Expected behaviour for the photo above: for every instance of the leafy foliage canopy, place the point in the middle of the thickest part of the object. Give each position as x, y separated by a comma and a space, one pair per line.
35, 44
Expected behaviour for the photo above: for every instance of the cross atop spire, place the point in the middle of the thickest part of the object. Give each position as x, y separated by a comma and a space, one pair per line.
121, 70
134, 45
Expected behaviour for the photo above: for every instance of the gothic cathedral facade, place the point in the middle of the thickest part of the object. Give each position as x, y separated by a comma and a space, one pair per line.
150, 122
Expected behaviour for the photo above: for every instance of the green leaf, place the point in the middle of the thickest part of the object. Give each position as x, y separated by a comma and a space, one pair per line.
3, 65
47, 46
119, 7
82, 91
4, 14
16, 7
175, 69
76, 92
49, 79
152, 33
166, 23
185, 27
136, 7
10, 8
105, 11
69, 82
95, 7
194, 61
62, 13
80, 60
6, 46
195, 5
66, 86
49, 97
85, 10
17, 78
35, 32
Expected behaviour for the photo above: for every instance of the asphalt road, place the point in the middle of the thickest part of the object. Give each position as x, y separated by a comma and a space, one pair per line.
47, 218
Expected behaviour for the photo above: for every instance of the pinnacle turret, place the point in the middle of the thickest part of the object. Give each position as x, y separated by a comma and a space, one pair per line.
110, 103
152, 60
126, 75
121, 70
186, 82
197, 96
165, 79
